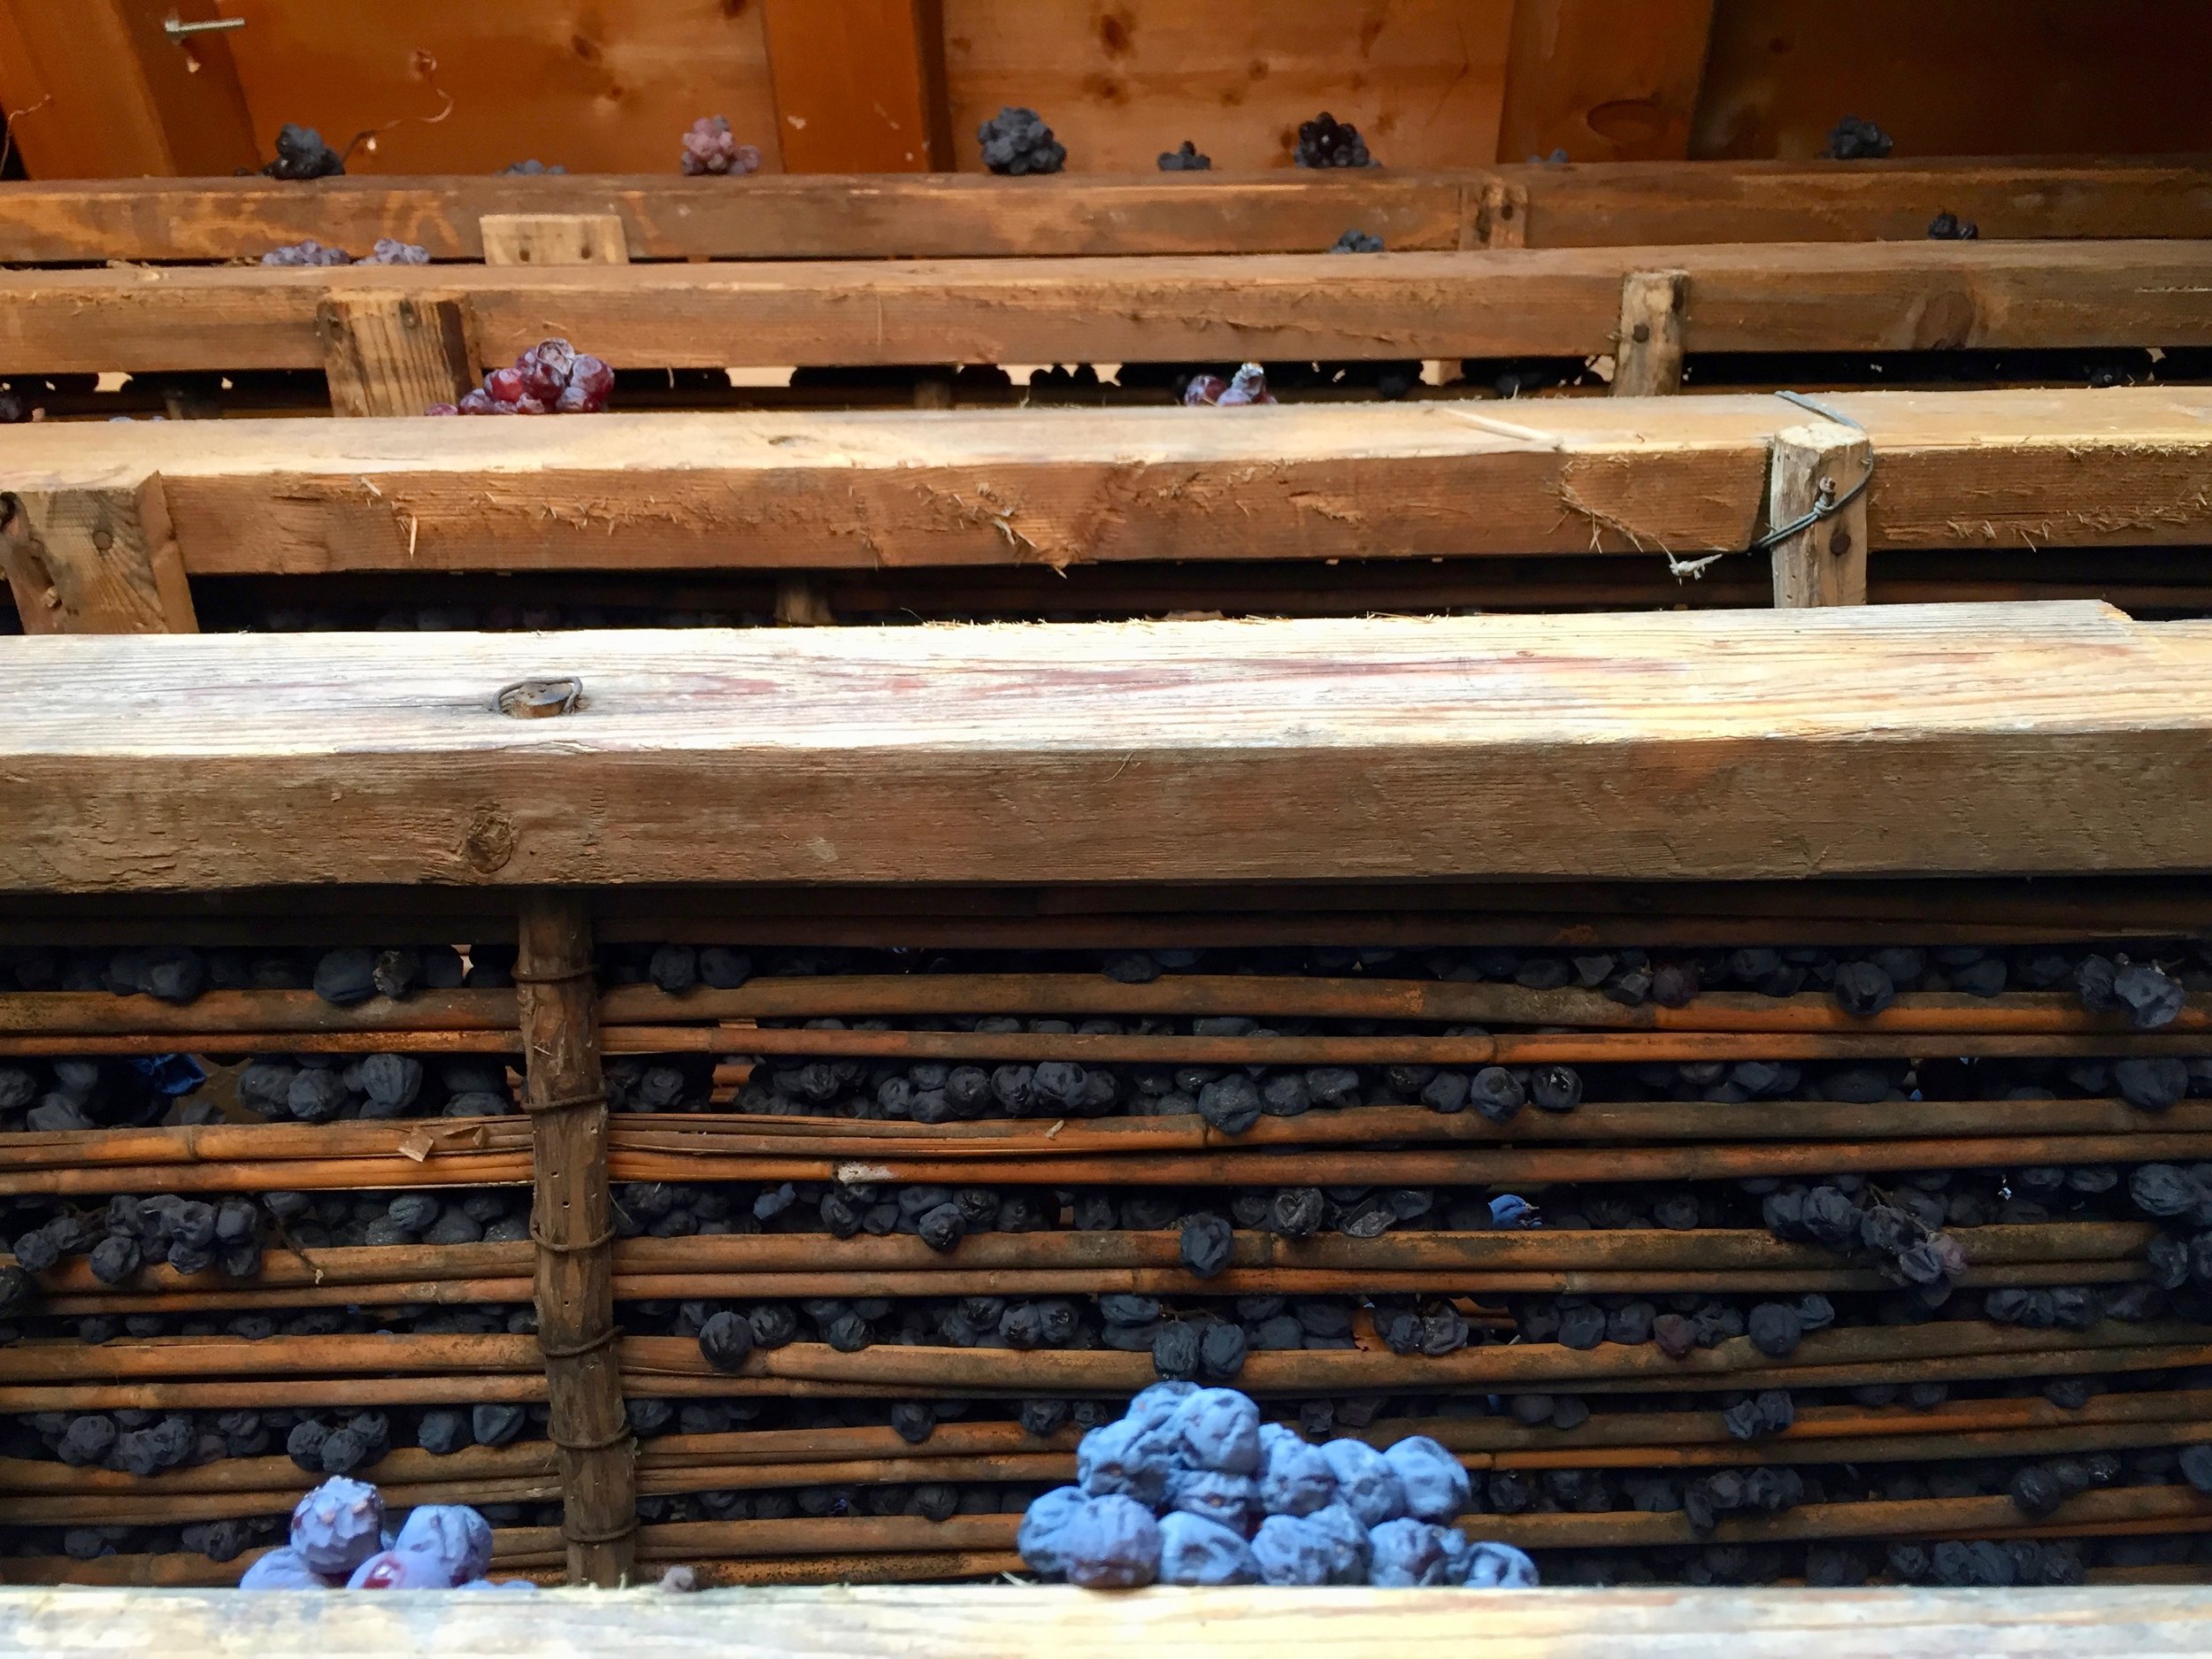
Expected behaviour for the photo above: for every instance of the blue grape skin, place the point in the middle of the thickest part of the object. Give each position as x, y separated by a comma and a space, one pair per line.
1435, 1486
1294, 1478
1292, 1551
1111, 1543
1365, 1484
1498, 1567
1406, 1553
456, 1535
338, 1526
1348, 1539
283, 1568
1220, 1429
1038, 1542
1194, 1550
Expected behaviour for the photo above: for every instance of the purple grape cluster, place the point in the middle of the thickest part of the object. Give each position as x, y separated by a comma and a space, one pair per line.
1854, 139
710, 147
310, 252
302, 154
340, 1540
1186, 159
1248, 385
1016, 141
1357, 242
1326, 142
1948, 227
532, 167
552, 378
1190, 1487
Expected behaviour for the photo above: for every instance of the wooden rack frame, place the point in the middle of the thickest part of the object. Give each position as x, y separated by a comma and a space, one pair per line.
953, 216
114, 524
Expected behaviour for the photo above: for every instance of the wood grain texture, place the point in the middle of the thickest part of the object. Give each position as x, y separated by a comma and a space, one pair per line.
1946, 80
115, 96
1005, 1622
1824, 564
571, 1221
1895, 296
598, 86
553, 239
1730, 745
1421, 79
96, 560
1648, 348
859, 85
1062, 488
956, 216
1603, 82
388, 355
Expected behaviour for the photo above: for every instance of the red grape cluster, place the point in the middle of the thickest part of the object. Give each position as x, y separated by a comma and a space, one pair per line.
711, 147
552, 378
1248, 385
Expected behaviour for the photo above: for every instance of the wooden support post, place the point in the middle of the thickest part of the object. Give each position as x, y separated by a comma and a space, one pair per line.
1496, 216
572, 1220
1825, 564
390, 354
553, 239
802, 602
1647, 351
96, 560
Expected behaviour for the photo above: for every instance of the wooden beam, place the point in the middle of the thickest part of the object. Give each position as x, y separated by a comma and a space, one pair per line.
571, 1221
100, 559
1603, 82
890, 491
1648, 347
103, 92
989, 1622
1731, 745
388, 354
971, 215
859, 85
1865, 297
1814, 467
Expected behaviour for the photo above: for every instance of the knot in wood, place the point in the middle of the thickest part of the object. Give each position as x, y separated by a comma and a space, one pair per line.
490, 841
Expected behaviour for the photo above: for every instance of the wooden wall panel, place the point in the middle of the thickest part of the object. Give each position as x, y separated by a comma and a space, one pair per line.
1120, 81
1962, 78
598, 86
1603, 82
103, 93
860, 85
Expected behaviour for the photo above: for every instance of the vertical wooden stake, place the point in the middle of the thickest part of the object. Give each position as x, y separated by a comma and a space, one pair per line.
96, 561
1647, 351
393, 354
802, 602
1826, 563
553, 239
1497, 217
571, 1221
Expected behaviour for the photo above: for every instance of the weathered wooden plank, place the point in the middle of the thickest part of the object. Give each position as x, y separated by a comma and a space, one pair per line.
1003, 1622
1590, 206
1870, 297
890, 490
1729, 745
950, 216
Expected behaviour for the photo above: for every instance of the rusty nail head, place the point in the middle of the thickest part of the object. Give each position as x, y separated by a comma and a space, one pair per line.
539, 699
1642, 332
